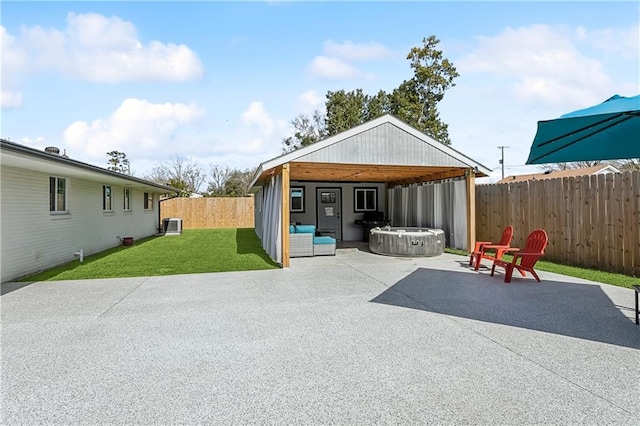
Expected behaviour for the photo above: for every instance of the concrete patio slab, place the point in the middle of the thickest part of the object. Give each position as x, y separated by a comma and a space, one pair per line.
354, 338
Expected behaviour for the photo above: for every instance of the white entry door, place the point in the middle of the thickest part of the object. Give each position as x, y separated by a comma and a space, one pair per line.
328, 204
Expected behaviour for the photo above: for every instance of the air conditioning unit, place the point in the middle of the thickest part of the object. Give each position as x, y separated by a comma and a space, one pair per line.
172, 226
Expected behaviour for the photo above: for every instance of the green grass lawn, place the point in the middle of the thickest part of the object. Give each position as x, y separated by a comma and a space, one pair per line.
222, 250
195, 251
620, 280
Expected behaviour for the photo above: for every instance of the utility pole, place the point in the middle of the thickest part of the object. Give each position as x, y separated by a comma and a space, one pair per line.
501, 148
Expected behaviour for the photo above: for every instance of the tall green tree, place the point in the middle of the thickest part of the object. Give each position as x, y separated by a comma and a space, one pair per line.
237, 185
433, 75
307, 130
377, 105
183, 188
349, 109
414, 101
118, 162
344, 110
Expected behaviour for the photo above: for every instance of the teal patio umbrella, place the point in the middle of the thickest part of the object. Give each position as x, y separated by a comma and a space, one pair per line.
607, 131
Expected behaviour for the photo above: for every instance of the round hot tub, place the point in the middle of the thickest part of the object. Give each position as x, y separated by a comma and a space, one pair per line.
406, 241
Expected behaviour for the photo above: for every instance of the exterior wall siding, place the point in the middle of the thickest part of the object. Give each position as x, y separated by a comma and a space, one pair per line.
350, 231
33, 239
384, 144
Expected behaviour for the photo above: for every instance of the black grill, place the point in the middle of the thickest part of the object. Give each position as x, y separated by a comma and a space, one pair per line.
371, 220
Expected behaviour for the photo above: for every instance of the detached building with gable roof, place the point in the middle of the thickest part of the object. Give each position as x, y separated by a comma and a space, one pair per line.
383, 165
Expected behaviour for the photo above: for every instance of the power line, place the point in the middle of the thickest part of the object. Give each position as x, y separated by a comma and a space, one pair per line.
501, 148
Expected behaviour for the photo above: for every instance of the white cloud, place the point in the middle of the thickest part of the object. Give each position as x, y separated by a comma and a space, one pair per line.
10, 99
13, 60
258, 116
541, 64
94, 47
261, 136
310, 101
248, 147
350, 51
13, 57
137, 127
149, 133
613, 41
335, 63
333, 69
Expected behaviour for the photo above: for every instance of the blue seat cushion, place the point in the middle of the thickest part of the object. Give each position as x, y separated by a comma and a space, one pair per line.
324, 240
305, 229
292, 229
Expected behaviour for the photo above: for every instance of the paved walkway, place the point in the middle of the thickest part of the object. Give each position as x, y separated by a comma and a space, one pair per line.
351, 339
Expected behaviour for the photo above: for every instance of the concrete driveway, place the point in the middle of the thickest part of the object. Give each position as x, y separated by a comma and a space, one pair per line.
351, 339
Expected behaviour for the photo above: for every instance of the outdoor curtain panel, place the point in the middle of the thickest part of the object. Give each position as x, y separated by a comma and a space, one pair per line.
440, 205
271, 218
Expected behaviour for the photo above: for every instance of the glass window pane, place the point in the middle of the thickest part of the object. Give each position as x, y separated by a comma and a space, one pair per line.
62, 195
297, 200
57, 194
359, 200
126, 199
52, 194
106, 202
366, 199
148, 200
370, 199
296, 204
60, 205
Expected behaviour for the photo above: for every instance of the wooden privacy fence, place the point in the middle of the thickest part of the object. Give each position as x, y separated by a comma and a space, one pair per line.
210, 212
592, 221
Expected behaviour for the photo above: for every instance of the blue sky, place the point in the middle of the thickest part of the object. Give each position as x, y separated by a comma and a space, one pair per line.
219, 82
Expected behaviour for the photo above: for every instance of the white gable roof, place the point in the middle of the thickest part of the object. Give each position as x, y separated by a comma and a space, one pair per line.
312, 152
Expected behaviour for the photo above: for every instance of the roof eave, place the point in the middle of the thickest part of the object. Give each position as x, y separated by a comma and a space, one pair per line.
45, 156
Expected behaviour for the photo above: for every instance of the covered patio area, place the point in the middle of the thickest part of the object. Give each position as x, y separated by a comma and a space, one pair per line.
382, 166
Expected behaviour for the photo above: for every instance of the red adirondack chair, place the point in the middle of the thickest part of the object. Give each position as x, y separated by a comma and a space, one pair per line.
480, 250
528, 256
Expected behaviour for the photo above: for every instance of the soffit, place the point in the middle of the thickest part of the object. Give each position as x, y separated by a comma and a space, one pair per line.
63, 169
331, 172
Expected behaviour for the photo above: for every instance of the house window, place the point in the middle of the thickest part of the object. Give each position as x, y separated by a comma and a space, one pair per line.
127, 200
296, 201
106, 198
148, 201
365, 199
57, 194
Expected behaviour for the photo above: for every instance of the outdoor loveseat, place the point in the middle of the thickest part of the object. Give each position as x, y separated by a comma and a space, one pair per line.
304, 242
